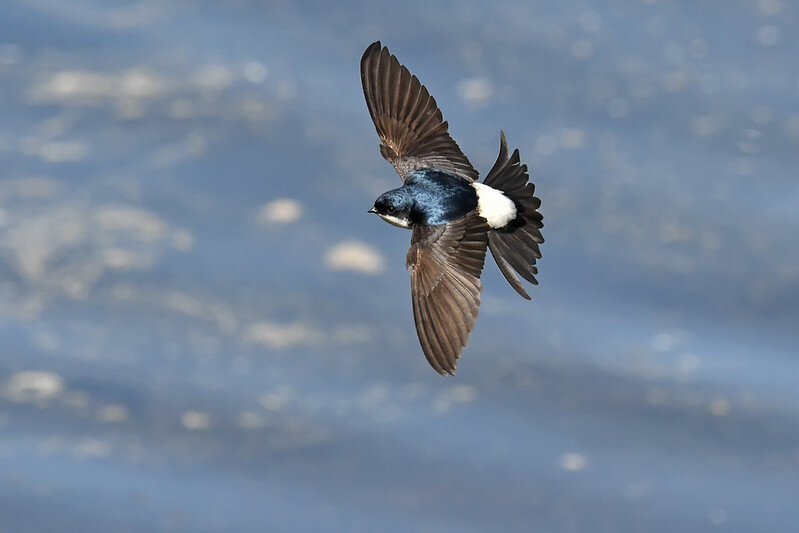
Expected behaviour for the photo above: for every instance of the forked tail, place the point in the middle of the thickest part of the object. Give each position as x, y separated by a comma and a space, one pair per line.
515, 247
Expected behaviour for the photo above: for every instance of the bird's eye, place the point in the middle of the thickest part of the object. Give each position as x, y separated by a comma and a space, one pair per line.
391, 209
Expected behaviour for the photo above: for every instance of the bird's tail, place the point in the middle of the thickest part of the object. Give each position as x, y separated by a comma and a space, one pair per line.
515, 247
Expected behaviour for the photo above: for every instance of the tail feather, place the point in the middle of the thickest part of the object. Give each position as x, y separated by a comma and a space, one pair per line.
516, 246
505, 268
530, 204
529, 242
522, 259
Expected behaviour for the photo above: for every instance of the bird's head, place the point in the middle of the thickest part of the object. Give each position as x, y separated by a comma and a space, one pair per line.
394, 207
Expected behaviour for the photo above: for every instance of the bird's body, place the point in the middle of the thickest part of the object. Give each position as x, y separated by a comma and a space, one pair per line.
437, 197
453, 217
434, 197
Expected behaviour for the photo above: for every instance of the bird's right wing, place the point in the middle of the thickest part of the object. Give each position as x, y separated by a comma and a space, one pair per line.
446, 262
412, 130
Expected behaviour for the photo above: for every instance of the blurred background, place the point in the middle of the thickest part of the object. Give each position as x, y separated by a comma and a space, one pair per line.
203, 330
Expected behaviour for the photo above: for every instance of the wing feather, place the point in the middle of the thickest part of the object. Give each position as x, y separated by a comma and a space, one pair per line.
446, 262
412, 131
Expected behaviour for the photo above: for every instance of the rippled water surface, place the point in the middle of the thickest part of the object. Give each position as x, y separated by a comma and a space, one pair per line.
202, 329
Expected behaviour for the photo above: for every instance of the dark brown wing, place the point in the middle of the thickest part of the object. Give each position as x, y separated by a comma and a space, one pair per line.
446, 262
413, 133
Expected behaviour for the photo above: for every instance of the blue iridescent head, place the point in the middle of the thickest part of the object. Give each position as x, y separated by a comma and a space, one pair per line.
395, 207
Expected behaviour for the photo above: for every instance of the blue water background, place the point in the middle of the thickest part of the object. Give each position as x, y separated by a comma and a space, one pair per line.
202, 330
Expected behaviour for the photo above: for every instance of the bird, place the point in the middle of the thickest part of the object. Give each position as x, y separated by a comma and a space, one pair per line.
454, 218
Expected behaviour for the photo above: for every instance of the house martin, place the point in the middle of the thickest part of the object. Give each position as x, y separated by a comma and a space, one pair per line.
453, 217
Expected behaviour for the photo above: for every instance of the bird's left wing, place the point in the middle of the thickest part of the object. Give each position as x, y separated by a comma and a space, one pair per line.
413, 132
446, 262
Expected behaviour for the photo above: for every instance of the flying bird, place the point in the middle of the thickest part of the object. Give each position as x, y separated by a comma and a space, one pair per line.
454, 218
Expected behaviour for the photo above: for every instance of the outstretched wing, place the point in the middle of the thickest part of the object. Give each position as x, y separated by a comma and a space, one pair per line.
413, 133
446, 262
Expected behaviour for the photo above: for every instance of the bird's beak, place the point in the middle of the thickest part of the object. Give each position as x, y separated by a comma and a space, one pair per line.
372, 210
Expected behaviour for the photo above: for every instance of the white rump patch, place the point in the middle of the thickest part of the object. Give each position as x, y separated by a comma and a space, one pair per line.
494, 206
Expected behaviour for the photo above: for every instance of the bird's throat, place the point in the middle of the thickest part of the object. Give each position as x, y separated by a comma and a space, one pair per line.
400, 222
